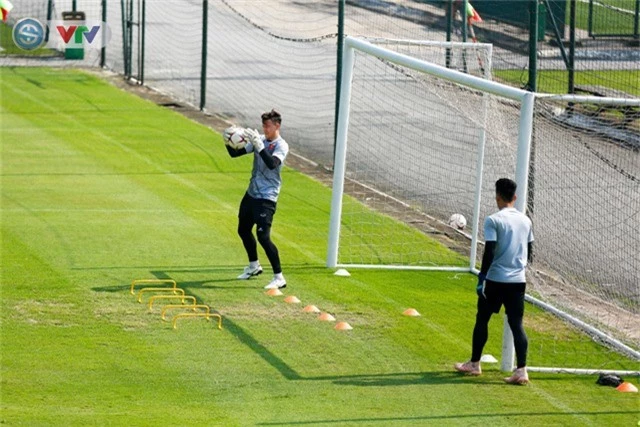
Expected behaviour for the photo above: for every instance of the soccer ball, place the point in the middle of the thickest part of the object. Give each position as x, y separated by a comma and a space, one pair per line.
234, 137
458, 221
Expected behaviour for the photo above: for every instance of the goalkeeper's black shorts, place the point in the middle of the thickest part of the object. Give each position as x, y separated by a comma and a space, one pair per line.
256, 211
497, 294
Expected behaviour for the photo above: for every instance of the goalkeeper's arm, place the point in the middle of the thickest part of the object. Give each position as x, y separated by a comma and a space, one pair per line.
272, 162
487, 258
236, 153
258, 145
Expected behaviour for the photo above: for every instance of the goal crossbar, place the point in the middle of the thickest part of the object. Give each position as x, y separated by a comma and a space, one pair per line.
463, 79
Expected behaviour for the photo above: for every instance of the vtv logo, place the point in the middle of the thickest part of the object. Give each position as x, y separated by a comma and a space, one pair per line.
78, 34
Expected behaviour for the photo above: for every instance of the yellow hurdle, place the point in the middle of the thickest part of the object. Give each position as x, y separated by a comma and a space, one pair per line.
180, 297
152, 281
207, 315
194, 307
174, 290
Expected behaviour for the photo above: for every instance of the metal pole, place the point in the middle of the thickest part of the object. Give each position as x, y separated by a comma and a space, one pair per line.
143, 21
74, 5
533, 45
590, 19
522, 171
450, 17
463, 16
203, 61
130, 41
478, 190
556, 31
49, 16
103, 50
636, 23
340, 43
534, 15
572, 46
123, 15
339, 166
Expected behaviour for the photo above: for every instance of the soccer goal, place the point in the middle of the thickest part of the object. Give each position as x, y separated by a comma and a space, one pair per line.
418, 142
420, 133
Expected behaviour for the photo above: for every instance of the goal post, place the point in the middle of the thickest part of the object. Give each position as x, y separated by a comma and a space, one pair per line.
467, 81
417, 141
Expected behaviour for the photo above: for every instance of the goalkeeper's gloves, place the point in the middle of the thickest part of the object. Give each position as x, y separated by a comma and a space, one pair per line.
254, 138
480, 286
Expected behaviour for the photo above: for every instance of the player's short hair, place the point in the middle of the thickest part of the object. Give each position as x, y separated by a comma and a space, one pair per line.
506, 189
272, 115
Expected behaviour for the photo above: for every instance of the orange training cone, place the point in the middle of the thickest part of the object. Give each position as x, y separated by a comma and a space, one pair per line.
411, 312
326, 317
343, 326
627, 387
291, 300
311, 309
274, 292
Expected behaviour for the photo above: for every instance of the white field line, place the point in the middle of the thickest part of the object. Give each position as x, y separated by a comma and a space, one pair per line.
583, 419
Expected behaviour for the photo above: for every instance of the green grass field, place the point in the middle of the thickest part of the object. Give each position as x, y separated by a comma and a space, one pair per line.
609, 16
556, 81
100, 188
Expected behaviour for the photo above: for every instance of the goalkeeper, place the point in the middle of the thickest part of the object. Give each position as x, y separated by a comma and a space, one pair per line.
509, 238
258, 205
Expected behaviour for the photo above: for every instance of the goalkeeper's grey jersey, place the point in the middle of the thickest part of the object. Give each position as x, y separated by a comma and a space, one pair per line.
265, 183
512, 232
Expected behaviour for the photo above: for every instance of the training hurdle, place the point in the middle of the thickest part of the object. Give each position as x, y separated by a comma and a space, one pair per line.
152, 281
173, 290
194, 307
180, 297
206, 315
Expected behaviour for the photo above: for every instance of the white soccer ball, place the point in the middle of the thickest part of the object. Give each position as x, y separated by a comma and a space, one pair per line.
458, 221
234, 137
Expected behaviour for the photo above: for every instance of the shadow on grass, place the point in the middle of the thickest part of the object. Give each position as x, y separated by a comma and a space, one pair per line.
406, 378
521, 416
229, 325
391, 379
157, 273
186, 285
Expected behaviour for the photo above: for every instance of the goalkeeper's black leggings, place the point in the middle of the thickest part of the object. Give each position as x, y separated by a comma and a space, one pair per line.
511, 295
258, 212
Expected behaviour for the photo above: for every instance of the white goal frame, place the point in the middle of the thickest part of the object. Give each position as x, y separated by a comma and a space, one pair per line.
524, 141
526, 100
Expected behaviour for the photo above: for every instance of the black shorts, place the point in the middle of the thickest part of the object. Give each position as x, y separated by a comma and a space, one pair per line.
256, 211
497, 294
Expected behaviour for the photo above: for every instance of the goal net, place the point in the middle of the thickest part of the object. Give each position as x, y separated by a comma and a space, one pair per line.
584, 200
418, 142
414, 141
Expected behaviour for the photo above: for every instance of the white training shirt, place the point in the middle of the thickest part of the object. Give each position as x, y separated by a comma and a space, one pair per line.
265, 183
512, 231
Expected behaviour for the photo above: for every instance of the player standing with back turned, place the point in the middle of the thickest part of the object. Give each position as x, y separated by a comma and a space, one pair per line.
509, 238
258, 205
